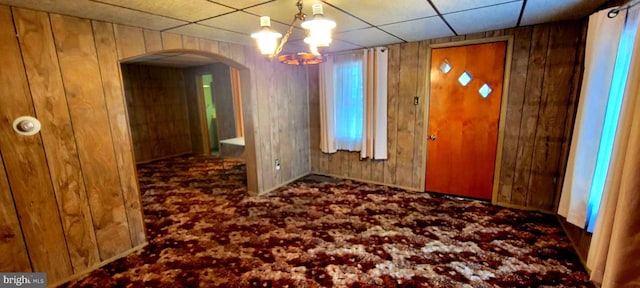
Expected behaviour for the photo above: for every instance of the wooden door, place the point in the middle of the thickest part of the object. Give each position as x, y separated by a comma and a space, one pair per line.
462, 133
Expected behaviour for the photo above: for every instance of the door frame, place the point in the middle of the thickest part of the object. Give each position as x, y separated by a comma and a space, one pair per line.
503, 105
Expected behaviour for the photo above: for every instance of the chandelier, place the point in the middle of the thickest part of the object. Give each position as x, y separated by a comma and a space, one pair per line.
318, 31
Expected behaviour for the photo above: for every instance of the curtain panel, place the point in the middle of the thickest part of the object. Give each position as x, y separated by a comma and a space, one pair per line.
353, 103
615, 246
603, 39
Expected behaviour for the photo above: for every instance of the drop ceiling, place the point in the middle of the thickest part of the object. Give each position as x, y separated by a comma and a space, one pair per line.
360, 23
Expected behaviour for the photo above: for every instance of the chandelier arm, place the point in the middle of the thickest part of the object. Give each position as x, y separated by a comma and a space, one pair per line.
285, 38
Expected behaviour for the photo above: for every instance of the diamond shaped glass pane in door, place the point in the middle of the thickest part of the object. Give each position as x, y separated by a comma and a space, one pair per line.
465, 78
445, 67
485, 90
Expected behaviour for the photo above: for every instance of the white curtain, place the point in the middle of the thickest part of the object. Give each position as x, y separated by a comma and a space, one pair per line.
353, 103
374, 141
327, 110
615, 246
600, 57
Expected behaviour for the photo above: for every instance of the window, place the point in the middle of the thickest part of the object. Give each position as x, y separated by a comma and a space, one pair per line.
353, 103
349, 101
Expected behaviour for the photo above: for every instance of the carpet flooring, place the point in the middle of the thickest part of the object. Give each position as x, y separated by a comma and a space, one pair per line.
205, 231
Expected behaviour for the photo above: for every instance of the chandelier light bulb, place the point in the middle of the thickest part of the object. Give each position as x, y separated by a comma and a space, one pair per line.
266, 38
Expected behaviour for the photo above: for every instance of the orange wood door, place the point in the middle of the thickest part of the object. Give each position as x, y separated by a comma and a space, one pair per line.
463, 125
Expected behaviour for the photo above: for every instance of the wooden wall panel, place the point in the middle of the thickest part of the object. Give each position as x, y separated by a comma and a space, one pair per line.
85, 96
114, 97
556, 93
529, 121
189, 42
519, 66
393, 85
158, 111
406, 123
171, 41
12, 245
24, 157
152, 40
50, 104
545, 74
210, 46
131, 41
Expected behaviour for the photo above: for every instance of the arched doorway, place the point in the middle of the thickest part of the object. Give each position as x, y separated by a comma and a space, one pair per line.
172, 108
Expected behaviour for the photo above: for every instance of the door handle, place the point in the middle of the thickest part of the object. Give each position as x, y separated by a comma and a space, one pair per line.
432, 137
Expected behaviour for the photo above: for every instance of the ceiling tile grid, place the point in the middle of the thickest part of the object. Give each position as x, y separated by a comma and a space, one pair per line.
363, 23
489, 18
420, 29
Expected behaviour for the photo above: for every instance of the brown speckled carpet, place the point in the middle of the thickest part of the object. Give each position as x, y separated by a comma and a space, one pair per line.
205, 231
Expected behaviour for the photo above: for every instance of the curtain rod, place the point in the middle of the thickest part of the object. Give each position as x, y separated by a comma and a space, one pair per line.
614, 12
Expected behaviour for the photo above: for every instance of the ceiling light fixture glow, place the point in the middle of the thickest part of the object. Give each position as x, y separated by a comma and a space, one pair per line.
318, 32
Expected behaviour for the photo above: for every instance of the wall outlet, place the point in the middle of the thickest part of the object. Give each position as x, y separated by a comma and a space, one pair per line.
277, 165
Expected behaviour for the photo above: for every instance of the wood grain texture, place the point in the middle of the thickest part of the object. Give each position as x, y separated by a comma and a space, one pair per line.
420, 126
50, 105
130, 41
247, 82
530, 111
189, 42
85, 96
152, 40
556, 93
390, 168
158, 111
171, 41
407, 90
210, 46
12, 245
24, 157
111, 83
571, 111
462, 158
314, 118
519, 66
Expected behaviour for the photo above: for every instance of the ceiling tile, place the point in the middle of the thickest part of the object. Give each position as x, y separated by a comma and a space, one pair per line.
283, 11
206, 32
98, 11
240, 4
192, 10
448, 6
540, 11
247, 23
380, 12
421, 29
485, 19
368, 37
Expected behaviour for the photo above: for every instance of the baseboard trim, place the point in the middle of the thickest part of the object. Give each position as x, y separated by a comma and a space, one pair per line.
368, 181
163, 158
282, 184
97, 266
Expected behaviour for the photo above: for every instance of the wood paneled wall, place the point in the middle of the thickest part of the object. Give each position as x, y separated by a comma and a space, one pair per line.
74, 184
158, 113
546, 71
